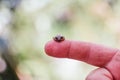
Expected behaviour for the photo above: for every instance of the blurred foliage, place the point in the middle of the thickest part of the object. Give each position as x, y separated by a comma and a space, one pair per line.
35, 22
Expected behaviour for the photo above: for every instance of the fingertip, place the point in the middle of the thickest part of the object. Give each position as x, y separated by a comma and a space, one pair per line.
57, 49
48, 48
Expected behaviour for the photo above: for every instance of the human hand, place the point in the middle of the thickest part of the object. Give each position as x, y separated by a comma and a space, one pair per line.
107, 59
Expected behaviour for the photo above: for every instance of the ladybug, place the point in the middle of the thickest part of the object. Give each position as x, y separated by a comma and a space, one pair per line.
59, 38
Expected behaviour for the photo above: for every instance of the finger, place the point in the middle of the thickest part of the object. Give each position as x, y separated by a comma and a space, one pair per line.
100, 74
57, 49
114, 65
90, 53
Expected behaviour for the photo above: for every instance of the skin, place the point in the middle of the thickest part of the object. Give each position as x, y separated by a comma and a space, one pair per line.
107, 59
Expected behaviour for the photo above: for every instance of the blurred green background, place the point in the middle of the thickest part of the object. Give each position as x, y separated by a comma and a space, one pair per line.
29, 24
